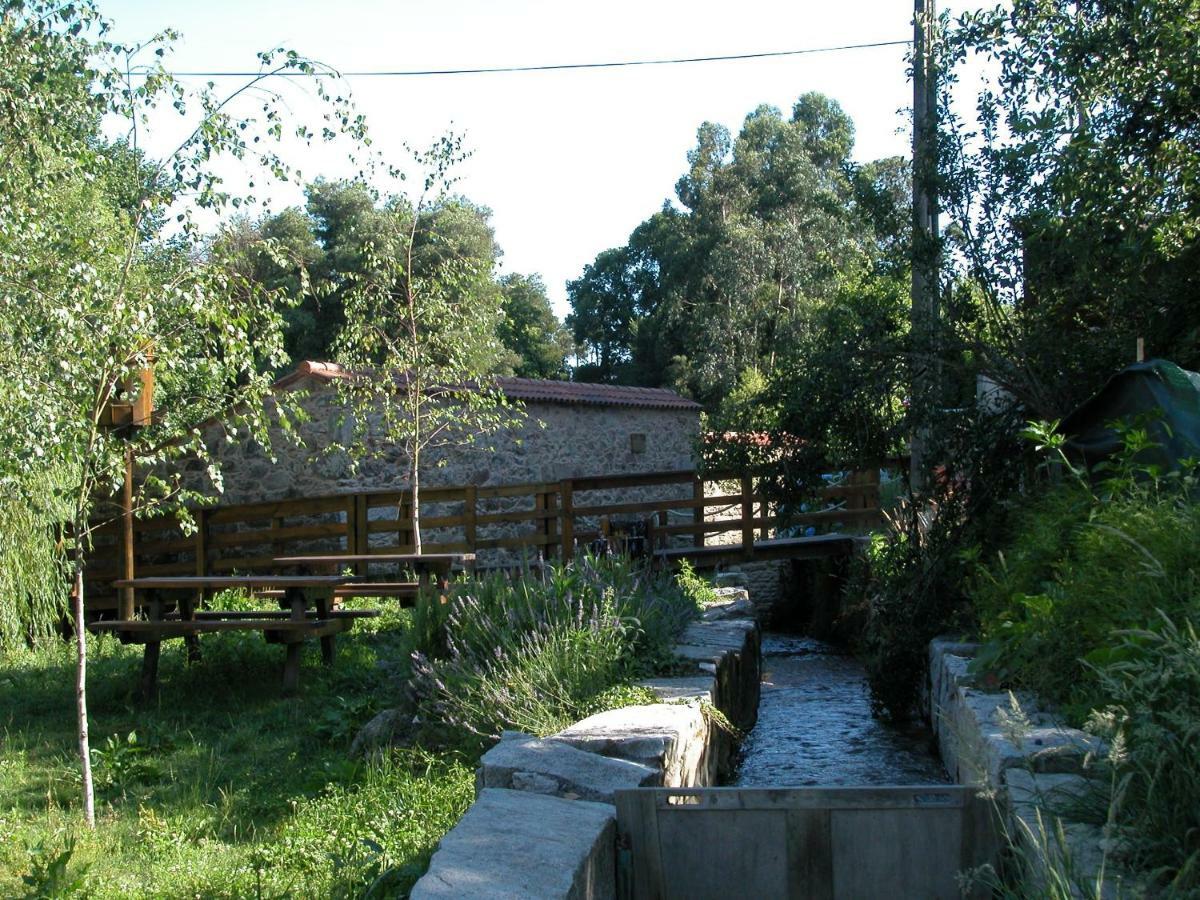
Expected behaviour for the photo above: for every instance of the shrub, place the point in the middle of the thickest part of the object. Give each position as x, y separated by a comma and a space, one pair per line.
909, 588
1082, 564
537, 652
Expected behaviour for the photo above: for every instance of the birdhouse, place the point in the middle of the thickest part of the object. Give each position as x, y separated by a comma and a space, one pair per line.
133, 403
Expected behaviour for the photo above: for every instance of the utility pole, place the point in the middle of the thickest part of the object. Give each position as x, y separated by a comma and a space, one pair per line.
924, 392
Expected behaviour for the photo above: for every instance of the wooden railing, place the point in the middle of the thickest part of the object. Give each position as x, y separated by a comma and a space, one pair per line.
550, 519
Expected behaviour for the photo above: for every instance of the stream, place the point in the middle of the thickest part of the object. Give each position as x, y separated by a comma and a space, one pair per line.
815, 725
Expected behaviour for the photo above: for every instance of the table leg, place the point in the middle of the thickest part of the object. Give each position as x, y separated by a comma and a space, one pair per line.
187, 613
291, 662
149, 684
291, 668
323, 600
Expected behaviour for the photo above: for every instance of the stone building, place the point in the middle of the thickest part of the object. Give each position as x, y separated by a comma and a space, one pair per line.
567, 430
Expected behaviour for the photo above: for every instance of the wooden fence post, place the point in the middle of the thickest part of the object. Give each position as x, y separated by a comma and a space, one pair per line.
351, 526
362, 538
568, 520
127, 535
550, 523
470, 499
748, 515
698, 511
201, 550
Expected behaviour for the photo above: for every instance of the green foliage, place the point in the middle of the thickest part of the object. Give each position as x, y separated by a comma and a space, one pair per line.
530, 331
543, 651
48, 878
1073, 190
225, 789
1082, 563
771, 224
911, 585
1152, 721
695, 587
33, 576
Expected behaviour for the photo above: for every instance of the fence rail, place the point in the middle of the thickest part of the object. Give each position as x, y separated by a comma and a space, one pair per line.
547, 517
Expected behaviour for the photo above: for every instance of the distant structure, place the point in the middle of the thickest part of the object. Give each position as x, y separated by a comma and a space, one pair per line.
568, 430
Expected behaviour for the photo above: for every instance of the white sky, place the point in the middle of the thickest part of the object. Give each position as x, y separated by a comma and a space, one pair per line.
569, 162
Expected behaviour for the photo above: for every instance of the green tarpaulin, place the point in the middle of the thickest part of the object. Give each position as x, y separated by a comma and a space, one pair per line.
1165, 396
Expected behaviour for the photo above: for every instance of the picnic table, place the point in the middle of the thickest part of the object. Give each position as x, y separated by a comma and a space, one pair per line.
179, 617
432, 570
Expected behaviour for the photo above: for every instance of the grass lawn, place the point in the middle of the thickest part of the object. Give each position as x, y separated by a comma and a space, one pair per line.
222, 788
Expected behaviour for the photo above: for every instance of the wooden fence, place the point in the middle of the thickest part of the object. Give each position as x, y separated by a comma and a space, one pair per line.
677, 508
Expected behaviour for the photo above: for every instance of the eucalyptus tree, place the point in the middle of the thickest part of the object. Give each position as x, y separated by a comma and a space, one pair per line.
768, 226
92, 295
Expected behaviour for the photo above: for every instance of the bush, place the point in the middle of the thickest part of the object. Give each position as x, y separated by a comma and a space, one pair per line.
535, 653
1083, 564
909, 588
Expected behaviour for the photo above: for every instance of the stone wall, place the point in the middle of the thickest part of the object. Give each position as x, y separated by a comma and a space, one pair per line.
1036, 767
543, 823
552, 441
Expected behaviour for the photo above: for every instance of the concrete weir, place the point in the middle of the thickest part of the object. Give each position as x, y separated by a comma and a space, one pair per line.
543, 823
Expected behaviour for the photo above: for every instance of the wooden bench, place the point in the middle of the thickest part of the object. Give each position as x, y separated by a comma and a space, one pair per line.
289, 627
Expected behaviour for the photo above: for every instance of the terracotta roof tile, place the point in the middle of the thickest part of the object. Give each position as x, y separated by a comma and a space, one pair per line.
533, 389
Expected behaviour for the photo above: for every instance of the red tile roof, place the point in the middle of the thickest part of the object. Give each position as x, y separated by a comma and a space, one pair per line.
532, 390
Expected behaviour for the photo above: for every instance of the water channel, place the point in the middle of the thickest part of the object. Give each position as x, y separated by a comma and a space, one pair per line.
815, 725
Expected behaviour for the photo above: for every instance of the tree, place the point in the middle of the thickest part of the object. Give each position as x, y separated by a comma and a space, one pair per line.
420, 332
714, 292
1074, 189
530, 330
93, 295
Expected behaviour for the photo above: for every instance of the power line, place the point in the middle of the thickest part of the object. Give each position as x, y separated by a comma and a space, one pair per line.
560, 67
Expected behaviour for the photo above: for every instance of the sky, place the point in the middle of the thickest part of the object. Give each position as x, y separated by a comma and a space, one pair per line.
568, 162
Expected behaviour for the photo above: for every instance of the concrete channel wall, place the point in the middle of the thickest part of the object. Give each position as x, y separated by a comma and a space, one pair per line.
1036, 768
543, 824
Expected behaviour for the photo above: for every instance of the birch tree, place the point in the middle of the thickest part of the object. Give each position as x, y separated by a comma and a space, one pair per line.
421, 334
91, 293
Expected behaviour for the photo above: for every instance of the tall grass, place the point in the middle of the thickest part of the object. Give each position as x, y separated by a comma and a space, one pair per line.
535, 653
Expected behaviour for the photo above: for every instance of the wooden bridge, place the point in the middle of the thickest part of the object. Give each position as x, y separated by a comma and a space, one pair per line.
711, 520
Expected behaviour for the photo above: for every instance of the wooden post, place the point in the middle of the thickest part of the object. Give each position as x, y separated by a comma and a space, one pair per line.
362, 538
470, 500
748, 515
351, 527
276, 543
550, 523
127, 534
201, 545
698, 511
1141, 350
567, 489
404, 533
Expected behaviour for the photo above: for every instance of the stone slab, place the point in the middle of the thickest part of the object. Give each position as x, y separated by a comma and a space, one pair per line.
1040, 807
514, 844
529, 762
689, 688
737, 609
672, 738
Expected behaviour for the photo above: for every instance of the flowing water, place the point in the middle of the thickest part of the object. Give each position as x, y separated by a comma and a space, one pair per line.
815, 725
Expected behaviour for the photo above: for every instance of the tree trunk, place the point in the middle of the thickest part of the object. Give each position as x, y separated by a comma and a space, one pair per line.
414, 481
85, 753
